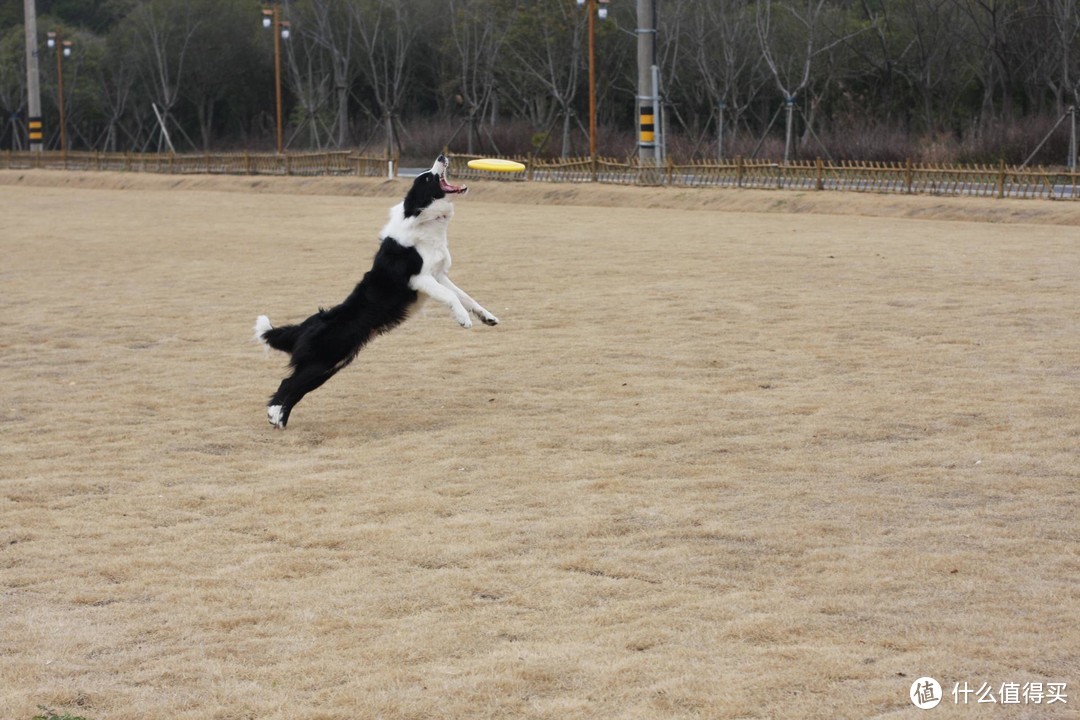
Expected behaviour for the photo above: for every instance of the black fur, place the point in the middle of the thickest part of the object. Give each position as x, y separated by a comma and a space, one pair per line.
426, 188
331, 338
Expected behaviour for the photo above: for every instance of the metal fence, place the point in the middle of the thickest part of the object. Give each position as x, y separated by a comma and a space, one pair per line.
998, 181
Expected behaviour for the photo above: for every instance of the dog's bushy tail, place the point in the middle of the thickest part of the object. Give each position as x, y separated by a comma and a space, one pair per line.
279, 338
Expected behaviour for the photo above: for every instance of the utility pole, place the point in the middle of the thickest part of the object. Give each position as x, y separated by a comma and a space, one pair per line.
33, 83
594, 9
277, 72
646, 93
272, 20
63, 49
592, 83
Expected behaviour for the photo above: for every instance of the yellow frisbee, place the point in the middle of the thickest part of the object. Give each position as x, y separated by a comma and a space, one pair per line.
496, 165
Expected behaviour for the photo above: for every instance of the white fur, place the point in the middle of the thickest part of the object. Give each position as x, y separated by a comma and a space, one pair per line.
262, 325
427, 233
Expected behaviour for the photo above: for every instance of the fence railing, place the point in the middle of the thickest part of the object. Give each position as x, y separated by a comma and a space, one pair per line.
998, 181
305, 163
880, 177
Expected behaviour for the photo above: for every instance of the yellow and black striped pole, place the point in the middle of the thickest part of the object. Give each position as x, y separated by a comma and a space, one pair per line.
35, 131
646, 126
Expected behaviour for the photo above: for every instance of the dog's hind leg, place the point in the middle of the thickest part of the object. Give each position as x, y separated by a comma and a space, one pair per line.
293, 389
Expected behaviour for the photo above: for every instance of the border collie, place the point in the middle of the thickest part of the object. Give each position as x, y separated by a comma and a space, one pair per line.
410, 266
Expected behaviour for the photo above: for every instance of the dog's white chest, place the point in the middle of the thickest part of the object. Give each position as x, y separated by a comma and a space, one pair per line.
436, 259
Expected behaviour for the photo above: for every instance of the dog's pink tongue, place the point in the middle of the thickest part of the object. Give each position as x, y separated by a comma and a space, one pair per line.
448, 188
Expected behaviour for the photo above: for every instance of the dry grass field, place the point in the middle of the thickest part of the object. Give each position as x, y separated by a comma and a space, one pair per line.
714, 463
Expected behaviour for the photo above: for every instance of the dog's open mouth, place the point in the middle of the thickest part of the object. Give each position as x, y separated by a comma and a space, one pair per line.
450, 189
439, 170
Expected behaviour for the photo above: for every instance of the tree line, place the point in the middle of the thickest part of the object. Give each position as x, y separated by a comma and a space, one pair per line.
973, 80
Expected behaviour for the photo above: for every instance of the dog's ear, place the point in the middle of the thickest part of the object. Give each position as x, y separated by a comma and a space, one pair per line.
409, 206
415, 201
424, 190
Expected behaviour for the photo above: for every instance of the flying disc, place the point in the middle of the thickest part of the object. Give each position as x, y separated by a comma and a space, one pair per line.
496, 165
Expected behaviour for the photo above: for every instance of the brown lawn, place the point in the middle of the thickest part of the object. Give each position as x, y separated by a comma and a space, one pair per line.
714, 463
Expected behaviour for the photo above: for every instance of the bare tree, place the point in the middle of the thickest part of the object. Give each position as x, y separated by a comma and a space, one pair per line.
729, 70
478, 33
1064, 79
308, 79
884, 49
12, 85
934, 63
547, 50
792, 42
222, 55
164, 29
387, 31
115, 81
992, 22
329, 25
678, 84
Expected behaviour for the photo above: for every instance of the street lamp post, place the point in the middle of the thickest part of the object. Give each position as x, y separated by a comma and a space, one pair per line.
272, 20
63, 50
593, 13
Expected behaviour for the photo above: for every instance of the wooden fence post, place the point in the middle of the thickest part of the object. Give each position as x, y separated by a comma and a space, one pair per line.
1001, 179
820, 167
738, 171
909, 175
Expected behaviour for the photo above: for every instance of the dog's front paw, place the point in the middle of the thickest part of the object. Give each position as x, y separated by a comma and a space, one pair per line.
486, 317
463, 318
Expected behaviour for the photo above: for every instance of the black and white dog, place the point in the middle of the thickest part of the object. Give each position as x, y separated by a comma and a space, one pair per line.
410, 266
